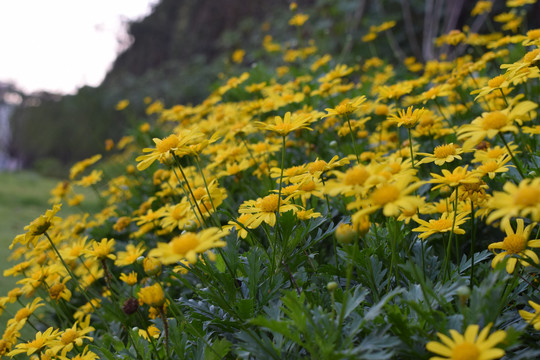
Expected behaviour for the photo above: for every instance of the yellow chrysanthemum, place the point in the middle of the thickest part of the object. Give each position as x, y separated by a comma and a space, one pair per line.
516, 200
152, 295
469, 346
289, 123
264, 210
444, 224
38, 227
515, 245
532, 318
188, 246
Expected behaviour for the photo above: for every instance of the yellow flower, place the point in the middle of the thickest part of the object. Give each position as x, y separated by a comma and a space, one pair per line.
174, 143
289, 123
38, 227
392, 197
41, 340
298, 19
264, 210
188, 246
131, 254
470, 345
481, 7
492, 123
79, 167
442, 154
532, 319
152, 331
91, 179
122, 104
516, 200
408, 118
101, 250
444, 224
60, 291
152, 295
130, 279
346, 107
70, 337
457, 177
515, 244
238, 56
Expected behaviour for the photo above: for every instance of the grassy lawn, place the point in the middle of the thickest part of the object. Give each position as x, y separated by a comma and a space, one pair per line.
23, 197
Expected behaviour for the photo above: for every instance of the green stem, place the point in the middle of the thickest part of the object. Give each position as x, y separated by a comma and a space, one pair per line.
352, 138
514, 160
473, 243
411, 147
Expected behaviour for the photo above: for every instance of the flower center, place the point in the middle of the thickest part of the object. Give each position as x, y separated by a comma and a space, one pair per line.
295, 170
268, 203
533, 34
529, 57
489, 166
318, 165
69, 336
169, 143
496, 81
56, 290
22, 314
441, 224
465, 351
514, 243
41, 225
443, 151
356, 176
308, 186
495, 153
494, 120
198, 193
177, 213
527, 196
385, 194
284, 128
184, 243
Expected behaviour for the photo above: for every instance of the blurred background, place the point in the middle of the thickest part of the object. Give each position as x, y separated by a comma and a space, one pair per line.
66, 64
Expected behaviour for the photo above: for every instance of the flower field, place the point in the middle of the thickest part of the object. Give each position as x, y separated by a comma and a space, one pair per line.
313, 210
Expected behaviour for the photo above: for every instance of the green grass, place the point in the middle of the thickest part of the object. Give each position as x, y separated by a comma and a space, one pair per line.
24, 196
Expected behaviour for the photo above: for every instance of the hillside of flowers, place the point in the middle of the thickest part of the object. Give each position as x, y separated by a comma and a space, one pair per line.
316, 210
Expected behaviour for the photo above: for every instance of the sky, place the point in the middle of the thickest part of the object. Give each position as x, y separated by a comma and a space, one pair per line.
61, 45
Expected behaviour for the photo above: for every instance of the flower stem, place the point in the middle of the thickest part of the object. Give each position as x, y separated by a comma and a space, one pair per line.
352, 139
473, 243
514, 160
411, 147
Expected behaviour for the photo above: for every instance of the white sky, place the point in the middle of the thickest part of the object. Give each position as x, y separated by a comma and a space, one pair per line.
61, 45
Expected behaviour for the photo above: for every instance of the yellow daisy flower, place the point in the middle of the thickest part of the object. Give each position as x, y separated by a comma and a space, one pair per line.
457, 177
289, 123
470, 345
264, 210
41, 340
489, 124
532, 318
38, 227
442, 154
174, 143
441, 225
188, 246
346, 107
131, 254
152, 295
408, 118
516, 200
515, 243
